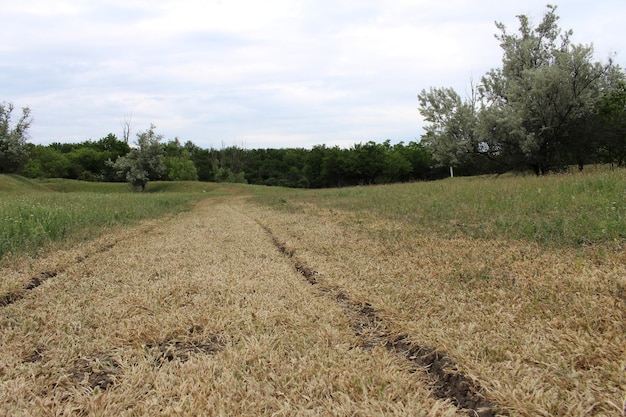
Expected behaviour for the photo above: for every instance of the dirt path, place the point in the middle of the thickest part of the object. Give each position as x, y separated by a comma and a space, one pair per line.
198, 314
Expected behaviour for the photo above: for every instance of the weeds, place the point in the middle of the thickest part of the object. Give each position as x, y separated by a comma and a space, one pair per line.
31, 221
557, 210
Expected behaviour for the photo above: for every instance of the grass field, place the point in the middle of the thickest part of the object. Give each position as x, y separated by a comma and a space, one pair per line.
557, 210
34, 214
471, 296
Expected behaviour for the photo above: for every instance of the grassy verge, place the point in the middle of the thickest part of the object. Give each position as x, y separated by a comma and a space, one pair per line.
28, 222
35, 214
558, 210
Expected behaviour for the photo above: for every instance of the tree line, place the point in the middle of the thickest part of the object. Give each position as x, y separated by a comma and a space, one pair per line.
152, 158
547, 108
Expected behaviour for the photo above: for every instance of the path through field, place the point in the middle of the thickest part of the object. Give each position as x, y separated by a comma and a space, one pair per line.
234, 309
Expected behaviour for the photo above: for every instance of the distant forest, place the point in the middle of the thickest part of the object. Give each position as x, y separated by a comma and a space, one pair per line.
321, 166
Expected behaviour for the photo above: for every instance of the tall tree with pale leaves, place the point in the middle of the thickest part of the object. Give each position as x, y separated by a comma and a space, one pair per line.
532, 112
144, 162
534, 104
13, 150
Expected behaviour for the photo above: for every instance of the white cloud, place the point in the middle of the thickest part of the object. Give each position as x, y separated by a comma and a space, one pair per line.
272, 73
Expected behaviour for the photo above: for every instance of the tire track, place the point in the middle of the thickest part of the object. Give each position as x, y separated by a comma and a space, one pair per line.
14, 296
37, 280
447, 381
34, 282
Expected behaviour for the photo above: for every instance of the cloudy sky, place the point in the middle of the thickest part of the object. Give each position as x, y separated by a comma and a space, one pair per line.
271, 73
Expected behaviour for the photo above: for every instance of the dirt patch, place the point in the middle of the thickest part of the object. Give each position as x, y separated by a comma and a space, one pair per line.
99, 372
307, 272
182, 350
448, 382
301, 267
35, 356
14, 296
10, 298
36, 281
39, 279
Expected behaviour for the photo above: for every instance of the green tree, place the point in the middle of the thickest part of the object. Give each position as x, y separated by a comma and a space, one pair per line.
338, 167
451, 133
397, 167
111, 148
202, 160
13, 149
534, 104
226, 175
369, 162
144, 162
419, 158
88, 163
46, 162
313, 166
178, 163
610, 125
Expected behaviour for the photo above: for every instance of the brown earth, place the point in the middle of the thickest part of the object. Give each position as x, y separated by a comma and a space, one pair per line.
235, 309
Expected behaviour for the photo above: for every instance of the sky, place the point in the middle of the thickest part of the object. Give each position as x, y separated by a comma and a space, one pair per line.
260, 74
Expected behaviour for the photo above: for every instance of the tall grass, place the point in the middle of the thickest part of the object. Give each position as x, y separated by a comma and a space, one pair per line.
561, 210
28, 222
73, 186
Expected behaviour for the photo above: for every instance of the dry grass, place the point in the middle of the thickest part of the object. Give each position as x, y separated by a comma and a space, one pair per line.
201, 314
542, 329
197, 314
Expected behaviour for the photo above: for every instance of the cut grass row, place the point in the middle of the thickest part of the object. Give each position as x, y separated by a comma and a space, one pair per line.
200, 316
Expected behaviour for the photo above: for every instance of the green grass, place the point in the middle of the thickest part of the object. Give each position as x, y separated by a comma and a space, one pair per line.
34, 214
18, 184
29, 222
558, 210
75, 186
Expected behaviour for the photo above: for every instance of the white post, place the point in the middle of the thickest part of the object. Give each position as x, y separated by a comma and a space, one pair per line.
451, 172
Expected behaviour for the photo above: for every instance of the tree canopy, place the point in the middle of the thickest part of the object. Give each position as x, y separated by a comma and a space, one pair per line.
532, 113
13, 150
144, 162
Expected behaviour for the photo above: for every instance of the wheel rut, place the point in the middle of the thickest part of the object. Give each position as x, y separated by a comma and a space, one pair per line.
447, 380
39, 279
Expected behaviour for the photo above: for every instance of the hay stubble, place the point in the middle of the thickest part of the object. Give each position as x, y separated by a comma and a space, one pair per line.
197, 314
542, 330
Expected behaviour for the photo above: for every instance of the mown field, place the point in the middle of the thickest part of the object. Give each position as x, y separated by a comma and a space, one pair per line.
470, 296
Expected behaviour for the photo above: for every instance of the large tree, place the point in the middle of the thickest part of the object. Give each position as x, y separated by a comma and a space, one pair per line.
178, 162
144, 162
451, 132
13, 149
529, 113
609, 125
546, 89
